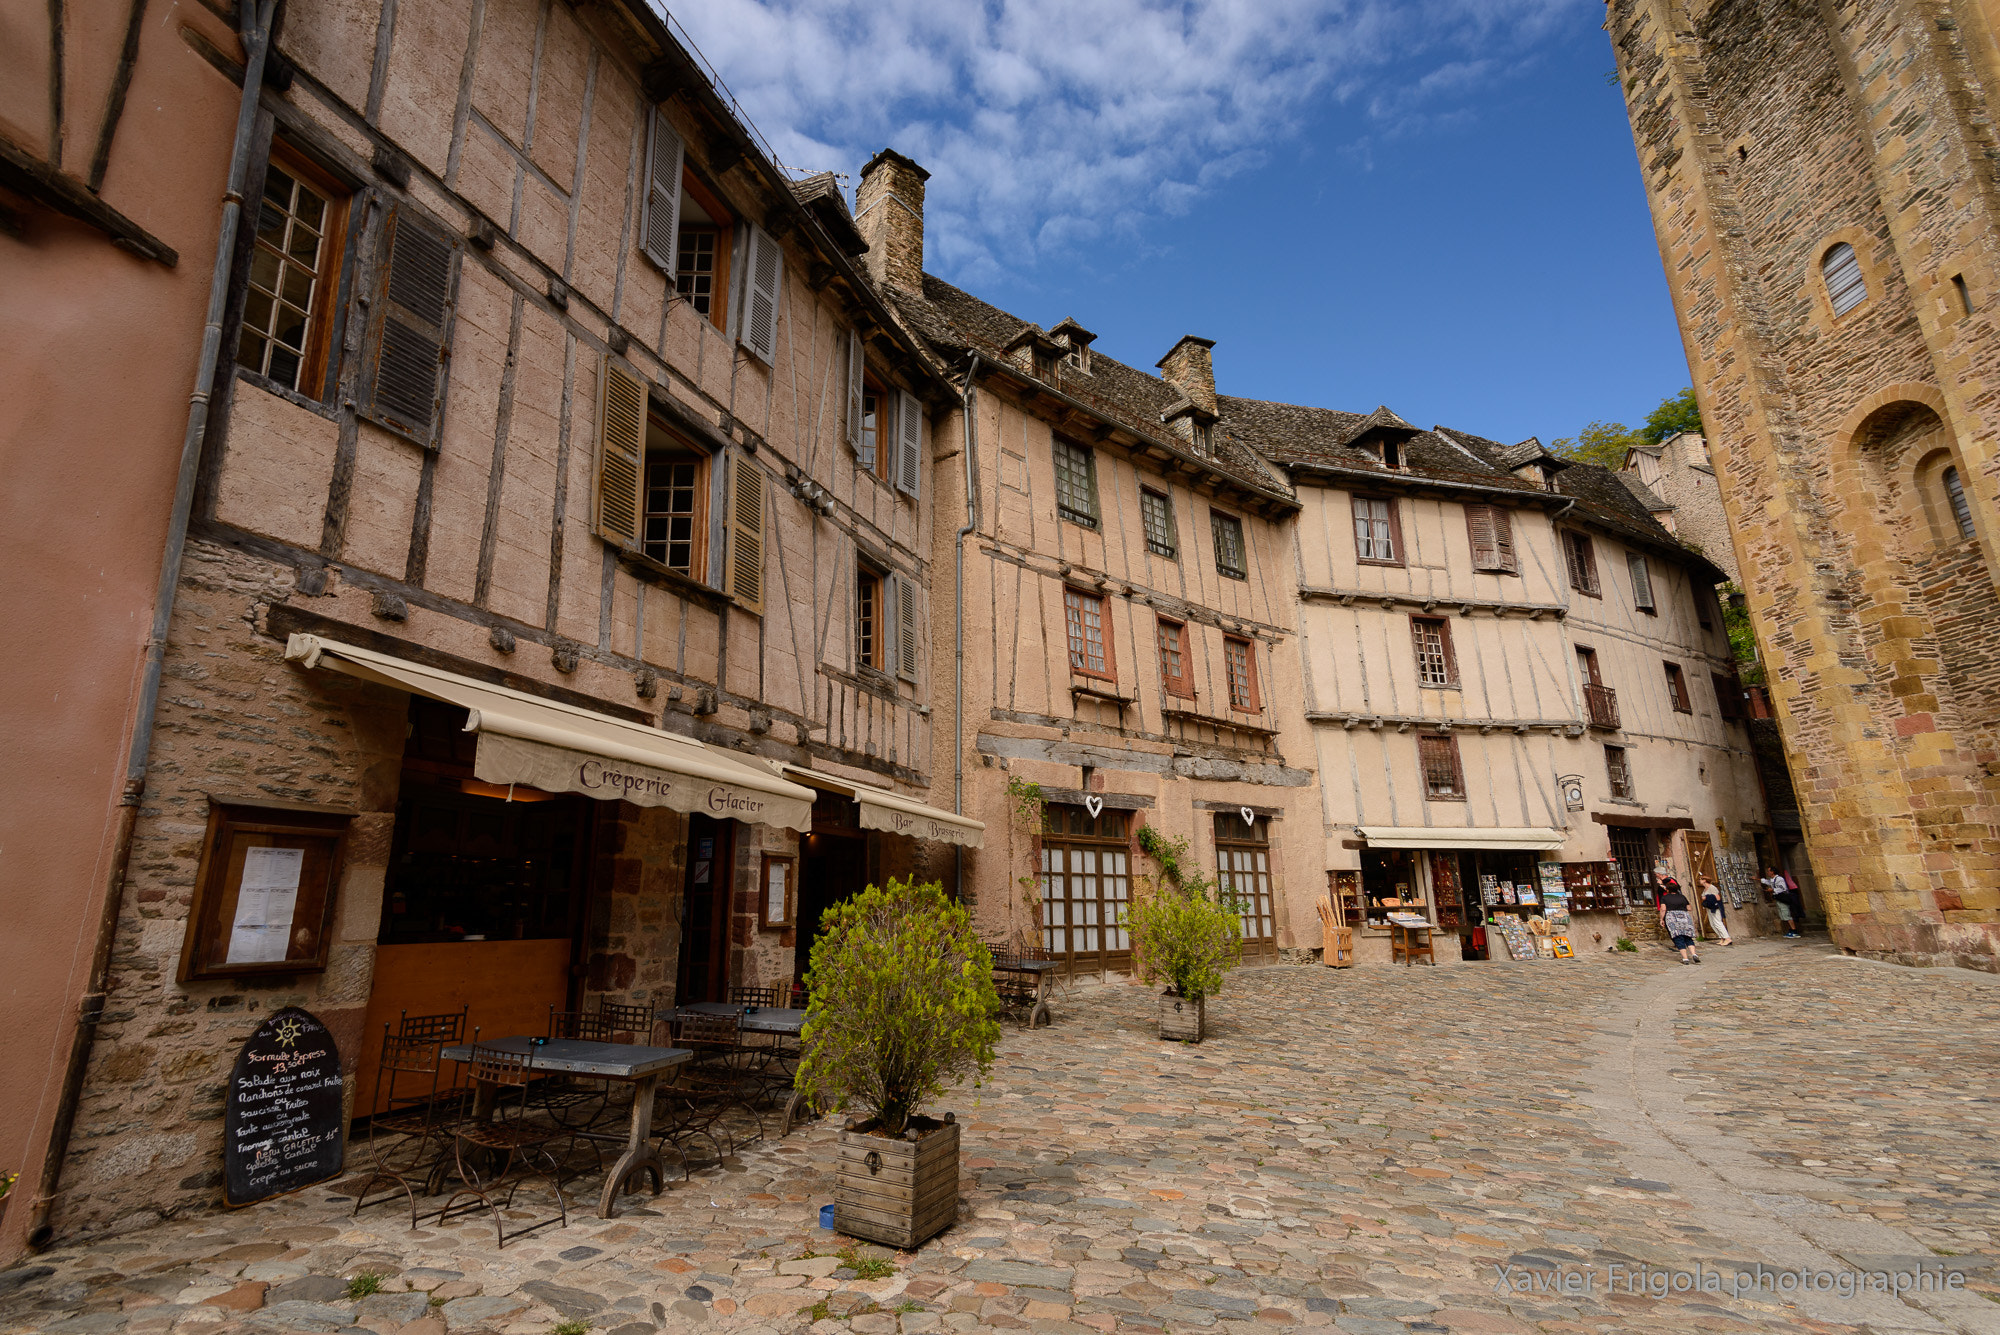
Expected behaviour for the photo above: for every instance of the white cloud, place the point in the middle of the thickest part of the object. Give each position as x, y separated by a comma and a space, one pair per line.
1047, 123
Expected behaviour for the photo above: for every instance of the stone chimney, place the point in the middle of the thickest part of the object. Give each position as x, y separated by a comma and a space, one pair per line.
1189, 369
889, 210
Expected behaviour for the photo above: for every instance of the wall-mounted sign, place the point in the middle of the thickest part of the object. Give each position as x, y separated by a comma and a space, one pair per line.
1572, 790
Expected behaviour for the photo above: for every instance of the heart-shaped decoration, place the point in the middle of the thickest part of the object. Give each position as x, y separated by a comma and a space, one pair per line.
1249, 816
1094, 805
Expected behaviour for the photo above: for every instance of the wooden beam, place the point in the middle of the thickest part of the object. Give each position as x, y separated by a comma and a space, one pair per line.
38, 181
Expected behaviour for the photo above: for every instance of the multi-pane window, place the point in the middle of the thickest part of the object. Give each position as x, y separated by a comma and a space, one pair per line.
674, 493
1582, 562
1845, 287
1436, 665
1642, 582
1176, 673
1086, 886
1076, 483
1156, 513
1228, 533
1617, 771
1375, 530
1088, 652
1239, 659
291, 269
1677, 689
1444, 777
1243, 866
1961, 509
1203, 438
694, 275
868, 627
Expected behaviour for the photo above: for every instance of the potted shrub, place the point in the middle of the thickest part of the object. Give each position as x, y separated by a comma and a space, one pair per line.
1183, 936
900, 1008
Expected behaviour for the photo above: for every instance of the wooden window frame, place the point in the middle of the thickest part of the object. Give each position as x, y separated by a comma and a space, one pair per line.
1057, 839
790, 907
1728, 697
724, 228
676, 447
1580, 556
1262, 896
1618, 773
322, 310
1183, 684
884, 428
1105, 636
1251, 690
1395, 517
1220, 522
1677, 689
1450, 657
1449, 741
1169, 547
1094, 519
1503, 559
870, 618
218, 881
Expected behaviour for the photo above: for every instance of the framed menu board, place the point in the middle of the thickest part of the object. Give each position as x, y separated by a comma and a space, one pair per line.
777, 896
263, 898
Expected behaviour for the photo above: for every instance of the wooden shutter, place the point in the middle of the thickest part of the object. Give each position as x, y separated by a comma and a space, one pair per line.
1582, 562
857, 363
1642, 581
1503, 540
760, 307
621, 454
1479, 528
411, 330
906, 629
745, 565
660, 215
909, 443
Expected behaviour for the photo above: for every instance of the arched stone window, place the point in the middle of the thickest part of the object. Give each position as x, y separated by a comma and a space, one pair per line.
1846, 288
1954, 494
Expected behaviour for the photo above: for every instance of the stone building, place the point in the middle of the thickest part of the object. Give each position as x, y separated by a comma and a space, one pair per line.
512, 663
1824, 202
1679, 473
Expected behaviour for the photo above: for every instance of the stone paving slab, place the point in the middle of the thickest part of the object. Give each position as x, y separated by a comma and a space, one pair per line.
1372, 1150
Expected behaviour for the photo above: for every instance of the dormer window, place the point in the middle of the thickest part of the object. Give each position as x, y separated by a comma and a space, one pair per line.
1079, 357
1045, 365
1204, 439
1392, 454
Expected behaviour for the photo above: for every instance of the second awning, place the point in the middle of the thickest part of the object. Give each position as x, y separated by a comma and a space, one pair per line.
563, 749
1496, 837
884, 810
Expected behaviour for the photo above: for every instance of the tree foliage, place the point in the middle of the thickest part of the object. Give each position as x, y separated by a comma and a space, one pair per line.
1183, 933
901, 1004
1605, 443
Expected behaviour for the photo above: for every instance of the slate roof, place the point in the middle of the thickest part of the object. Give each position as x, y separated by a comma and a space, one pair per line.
1260, 442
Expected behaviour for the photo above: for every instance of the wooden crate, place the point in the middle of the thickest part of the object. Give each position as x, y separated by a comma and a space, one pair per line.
1183, 1020
900, 1193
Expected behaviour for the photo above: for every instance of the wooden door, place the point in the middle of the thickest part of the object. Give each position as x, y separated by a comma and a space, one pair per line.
704, 967
1586, 663
1701, 862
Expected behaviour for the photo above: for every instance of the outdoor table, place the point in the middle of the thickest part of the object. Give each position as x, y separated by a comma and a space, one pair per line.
1040, 969
782, 1021
1407, 946
641, 1066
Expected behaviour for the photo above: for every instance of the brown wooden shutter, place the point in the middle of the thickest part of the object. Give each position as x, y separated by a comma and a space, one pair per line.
1479, 528
1396, 533
1450, 655
410, 334
1503, 540
621, 454
906, 629
660, 214
746, 533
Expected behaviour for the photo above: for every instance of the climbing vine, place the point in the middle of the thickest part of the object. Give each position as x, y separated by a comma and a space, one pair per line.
1029, 804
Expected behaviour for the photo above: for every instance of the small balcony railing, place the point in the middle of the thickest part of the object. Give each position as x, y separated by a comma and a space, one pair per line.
1602, 704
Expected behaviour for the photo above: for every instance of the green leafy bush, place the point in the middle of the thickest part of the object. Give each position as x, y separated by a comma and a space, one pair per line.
1183, 937
1626, 943
901, 1004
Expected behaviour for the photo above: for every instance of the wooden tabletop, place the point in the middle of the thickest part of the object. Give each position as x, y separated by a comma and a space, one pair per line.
575, 1056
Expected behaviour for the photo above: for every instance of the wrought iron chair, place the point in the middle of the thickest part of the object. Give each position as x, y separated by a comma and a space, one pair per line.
754, 996
634, 1022
724, 1069
414, 1111
516, 1148
572, 1102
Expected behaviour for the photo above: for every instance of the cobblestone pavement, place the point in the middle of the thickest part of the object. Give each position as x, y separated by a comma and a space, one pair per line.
1497, 1148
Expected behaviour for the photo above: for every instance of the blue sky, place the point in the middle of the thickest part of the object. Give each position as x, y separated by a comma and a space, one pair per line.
1432, 204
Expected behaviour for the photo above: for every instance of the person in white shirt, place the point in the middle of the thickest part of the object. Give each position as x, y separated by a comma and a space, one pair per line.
1711, 902
1780, 891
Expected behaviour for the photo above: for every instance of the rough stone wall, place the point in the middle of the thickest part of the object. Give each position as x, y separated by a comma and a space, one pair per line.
633, 941
1687, 482
1768, 132
235, 723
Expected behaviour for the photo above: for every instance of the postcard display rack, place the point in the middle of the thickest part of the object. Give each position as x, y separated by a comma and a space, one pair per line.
1538, 926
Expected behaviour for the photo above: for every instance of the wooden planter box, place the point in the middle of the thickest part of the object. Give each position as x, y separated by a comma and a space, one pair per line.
900, 1193
1183, 1020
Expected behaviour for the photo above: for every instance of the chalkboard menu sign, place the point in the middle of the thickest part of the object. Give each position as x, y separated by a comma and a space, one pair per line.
281, 1123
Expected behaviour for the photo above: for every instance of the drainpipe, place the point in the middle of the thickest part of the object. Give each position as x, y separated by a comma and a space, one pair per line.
255, 31
967, 402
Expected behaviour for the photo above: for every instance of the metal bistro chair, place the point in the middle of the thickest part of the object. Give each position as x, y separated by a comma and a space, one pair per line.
518, 1147
754, 996
718, 1079
619, 1018
574, 1103
415, 1109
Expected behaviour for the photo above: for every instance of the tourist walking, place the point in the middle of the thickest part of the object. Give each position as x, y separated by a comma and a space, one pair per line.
1674, 916
1711, 900
1781, 894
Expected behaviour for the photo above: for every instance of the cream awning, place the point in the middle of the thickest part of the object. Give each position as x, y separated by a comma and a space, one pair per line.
884, 810
1475, 837
562, 749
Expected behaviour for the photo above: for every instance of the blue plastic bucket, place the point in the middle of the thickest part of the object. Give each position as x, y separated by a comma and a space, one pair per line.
826, 1216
